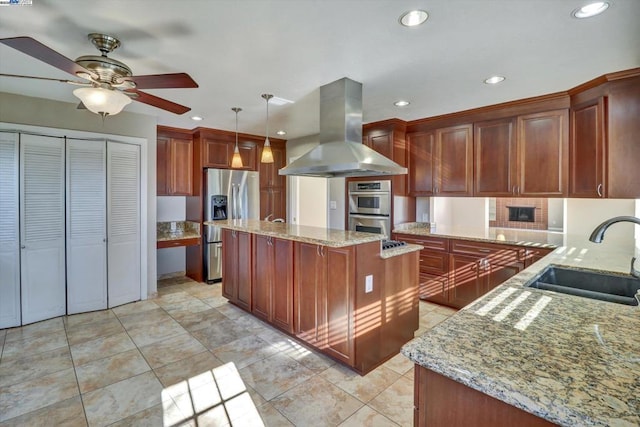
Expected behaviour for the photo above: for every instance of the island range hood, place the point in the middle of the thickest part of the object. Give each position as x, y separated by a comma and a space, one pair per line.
341, 152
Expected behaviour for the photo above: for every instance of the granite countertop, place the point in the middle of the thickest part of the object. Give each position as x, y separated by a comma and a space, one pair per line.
301, 233
182, 230
567, 359
542, 239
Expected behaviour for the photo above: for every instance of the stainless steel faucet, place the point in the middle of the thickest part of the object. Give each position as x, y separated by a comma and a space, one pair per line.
598, 234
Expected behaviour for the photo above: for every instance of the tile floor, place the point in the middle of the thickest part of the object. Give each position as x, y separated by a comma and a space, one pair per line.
188, 358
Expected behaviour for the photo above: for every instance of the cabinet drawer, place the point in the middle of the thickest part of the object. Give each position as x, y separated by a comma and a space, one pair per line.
434, 262
492, 252
179, 242
431, 243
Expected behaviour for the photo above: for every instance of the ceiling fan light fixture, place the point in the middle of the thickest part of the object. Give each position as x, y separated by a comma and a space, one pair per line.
236, 160
102, 101
267, 154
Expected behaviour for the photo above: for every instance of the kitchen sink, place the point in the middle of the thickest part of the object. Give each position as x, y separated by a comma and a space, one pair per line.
620, 289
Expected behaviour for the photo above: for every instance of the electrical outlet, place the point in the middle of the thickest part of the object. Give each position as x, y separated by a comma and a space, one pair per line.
173, 226
368, 284
425, 217
333, 205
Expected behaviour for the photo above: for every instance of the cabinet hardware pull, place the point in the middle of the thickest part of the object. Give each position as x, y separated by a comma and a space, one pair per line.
599, 189
513, 190
23, 247
484, 250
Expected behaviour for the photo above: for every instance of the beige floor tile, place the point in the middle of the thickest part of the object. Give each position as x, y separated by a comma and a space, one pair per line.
365, 387
399, 363
100, 348
143, 318
102, 372
432, 319
224, 332
396, 402
253, 324
242, 411
205, 291
368, 417
173, 298
94, 316
35, 330
28, 396
171, 350
245, 351
31, 366
39, 344
67, 413
273, 376
193, 305
215, 301
199, 320
231, 311
150, 417
135, 307
271, 417
316, 402
84, 332
149, 334
184, 369
306, 357
122, 399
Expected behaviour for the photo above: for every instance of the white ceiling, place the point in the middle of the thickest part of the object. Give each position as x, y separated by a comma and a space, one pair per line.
239, 49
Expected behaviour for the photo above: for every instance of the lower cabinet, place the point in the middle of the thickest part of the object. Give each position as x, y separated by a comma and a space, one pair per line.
272, 284
236, 267
456, 272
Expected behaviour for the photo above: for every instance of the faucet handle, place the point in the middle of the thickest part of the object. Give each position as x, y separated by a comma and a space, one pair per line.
634, 272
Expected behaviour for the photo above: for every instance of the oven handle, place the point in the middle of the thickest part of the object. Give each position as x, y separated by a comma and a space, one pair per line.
365, 216
369, 193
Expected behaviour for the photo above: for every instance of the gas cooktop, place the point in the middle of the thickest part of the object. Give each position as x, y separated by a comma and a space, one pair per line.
390, 244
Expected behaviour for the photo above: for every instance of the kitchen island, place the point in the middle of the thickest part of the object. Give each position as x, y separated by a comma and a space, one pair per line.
523, 356
334, 290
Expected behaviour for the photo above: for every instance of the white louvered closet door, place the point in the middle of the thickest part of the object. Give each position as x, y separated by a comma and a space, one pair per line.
123, 223
9, 232
86, 226
42, 227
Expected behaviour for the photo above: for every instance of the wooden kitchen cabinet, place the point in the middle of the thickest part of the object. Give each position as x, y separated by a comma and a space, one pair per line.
174, 165
219, 153
587, 149
466, 283
269, 176
389, 139
543, 146
272, 283
495, 159
441, 162
236, 267
324, 298
273, 203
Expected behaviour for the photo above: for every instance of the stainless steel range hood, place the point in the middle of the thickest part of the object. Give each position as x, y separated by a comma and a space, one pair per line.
341, 152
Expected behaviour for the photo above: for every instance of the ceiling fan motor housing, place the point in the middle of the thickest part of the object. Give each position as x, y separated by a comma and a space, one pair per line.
109, 70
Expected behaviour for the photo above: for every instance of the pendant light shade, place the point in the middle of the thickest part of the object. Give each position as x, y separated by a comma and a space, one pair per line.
236, 160
267, 154
102, 101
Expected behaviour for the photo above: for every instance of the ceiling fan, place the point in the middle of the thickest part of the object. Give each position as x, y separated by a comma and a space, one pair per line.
108, 84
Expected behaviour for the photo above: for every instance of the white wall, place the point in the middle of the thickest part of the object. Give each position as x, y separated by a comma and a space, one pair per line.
171, 260
62, 115
171, 208
423, 209
460, 211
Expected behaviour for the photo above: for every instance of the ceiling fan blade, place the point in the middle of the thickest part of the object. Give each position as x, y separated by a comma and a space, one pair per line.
37, 50
155, 101
163, 81
73, 82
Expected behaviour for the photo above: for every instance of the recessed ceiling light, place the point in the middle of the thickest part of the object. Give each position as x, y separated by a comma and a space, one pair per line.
494, 80
413, 18
401, 103
196, 118
281, 132
591, 9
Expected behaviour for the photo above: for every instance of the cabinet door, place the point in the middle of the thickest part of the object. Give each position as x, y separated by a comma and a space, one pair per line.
310, 272
162, 166
382, 143
217, 154
123, 223
282, 284
86, 226
586, 150
248, 154
434, 287
454, 164
465, 285
229, 265
496, 273
494, 146
9, 232
273, 203
42, 228
180, 171
269, 176
536, 254
542, 151
421, 158
244, 270
263, 268
623, 154
339, 301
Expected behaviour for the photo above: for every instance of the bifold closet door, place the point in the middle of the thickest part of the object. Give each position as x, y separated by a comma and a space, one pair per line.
123, 223
42, 227
9, 232
86, 226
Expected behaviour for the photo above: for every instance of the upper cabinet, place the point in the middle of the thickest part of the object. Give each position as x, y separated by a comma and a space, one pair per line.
174, 163
218, 153
389, 139
269, 176
440, 162
587, 150
495, 159
273, 203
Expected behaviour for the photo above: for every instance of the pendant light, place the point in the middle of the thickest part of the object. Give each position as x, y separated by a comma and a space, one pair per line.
267, 154
236, 160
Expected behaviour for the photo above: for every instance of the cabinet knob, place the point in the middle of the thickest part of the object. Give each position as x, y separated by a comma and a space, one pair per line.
23, 247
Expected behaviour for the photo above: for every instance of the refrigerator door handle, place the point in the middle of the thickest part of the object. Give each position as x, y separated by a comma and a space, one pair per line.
234, 196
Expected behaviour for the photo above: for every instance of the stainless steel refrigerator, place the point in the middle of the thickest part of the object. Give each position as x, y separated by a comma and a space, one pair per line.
231, 194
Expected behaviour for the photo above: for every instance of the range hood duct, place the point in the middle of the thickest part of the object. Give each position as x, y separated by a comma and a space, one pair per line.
341, 152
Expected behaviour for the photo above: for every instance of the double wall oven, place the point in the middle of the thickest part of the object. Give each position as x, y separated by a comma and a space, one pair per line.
370, 206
